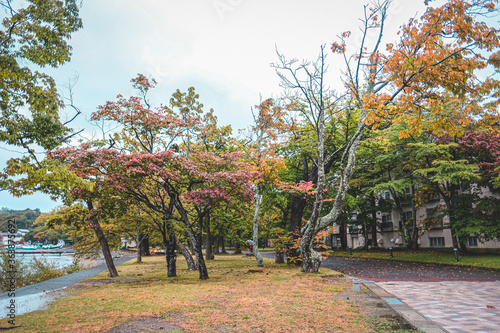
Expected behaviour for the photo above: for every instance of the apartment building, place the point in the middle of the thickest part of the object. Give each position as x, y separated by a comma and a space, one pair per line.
390, 228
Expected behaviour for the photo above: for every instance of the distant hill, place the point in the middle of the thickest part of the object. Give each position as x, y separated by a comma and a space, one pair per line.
24, 218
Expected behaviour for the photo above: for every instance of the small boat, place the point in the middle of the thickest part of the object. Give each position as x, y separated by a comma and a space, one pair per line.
31, 247
59, 245
51, 247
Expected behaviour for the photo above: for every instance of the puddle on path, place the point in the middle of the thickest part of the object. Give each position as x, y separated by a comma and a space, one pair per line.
29, 303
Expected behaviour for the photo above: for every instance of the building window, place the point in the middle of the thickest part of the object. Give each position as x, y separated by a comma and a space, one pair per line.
472, 241
407, 216
407, 190
386, 195
386, 224
436, 241
434, 220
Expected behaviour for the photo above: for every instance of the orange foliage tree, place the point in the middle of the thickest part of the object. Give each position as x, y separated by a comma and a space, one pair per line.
439, 72
259, 146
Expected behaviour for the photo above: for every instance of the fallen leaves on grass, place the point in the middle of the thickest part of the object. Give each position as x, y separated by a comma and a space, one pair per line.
280, 299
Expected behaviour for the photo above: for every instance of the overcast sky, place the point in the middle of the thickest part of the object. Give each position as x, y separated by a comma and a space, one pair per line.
221, 47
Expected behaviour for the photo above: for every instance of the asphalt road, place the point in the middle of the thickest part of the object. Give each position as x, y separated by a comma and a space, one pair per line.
395, 270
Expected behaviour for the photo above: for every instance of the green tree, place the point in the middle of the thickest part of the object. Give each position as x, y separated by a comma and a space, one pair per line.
34, 35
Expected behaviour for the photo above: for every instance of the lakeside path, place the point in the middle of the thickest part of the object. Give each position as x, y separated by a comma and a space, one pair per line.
36, 296
432, 297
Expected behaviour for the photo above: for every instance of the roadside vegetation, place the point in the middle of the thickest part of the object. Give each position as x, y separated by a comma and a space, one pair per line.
33, 271
481, 258
237, 298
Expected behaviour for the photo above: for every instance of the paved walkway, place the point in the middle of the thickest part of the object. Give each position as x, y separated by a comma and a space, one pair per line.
36, 296
66, 280
434, 298
455, 306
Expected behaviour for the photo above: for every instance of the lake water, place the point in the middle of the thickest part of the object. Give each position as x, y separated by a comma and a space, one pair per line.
59, 260
32, 302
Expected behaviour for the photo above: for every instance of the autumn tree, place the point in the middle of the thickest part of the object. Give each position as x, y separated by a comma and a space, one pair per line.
181, 129
91, 188
259, 145
432, 71
143, 128
193, 186
300, 156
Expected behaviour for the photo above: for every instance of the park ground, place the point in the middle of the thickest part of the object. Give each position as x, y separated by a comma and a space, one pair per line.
238, 297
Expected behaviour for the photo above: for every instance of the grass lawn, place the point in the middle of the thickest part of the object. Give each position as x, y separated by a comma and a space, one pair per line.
276, 298
477, 257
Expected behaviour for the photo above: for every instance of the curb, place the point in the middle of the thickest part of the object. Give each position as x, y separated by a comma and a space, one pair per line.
416, 319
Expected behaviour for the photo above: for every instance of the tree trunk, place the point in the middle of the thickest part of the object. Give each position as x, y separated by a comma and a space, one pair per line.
365, 233
343, 236
208, 238
145, 245
105, 249
463, 245
189, 243
223, 245
315, 223
374, 223
167, 233
454, 239
311, 260
138, 246
217, 245
279, 259
170, 255
202, 268
255, 223
415, 241
237, 245
187, 255
196, 238
94, 224
297, 212
414, 229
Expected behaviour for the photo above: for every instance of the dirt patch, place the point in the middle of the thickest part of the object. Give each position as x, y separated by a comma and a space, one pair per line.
167, 323
250, 271
92, 283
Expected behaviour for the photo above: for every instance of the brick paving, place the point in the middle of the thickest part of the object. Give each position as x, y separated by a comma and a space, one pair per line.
458, 307
434, 298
